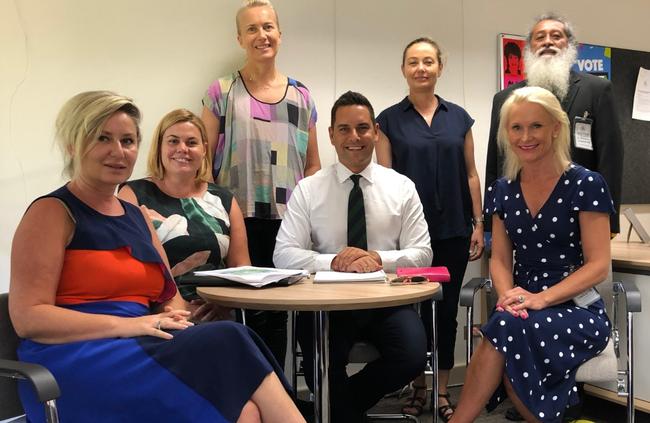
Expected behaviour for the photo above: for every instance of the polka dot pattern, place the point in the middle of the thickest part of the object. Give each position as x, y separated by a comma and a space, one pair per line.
543, 352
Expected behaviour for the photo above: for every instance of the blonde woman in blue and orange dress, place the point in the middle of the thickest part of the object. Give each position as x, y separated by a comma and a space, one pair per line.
97, 305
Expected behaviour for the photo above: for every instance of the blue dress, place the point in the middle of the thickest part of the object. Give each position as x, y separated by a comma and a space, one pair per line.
206, 373
543, 352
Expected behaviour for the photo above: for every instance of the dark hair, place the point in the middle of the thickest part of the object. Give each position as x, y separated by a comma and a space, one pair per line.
423, 40
552, 16
352, 98
511, 49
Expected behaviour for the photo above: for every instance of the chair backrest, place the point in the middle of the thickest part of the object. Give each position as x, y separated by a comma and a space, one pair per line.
10, 405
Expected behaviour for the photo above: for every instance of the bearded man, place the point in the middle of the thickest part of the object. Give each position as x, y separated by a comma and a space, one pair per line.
596, 140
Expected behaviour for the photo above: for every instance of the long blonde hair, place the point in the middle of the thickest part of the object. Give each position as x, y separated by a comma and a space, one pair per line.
550, 103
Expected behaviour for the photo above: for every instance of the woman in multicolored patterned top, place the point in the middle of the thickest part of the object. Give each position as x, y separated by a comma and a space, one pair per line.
262, 133
199, 224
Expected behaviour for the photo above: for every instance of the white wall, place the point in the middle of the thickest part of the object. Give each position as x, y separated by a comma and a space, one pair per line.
164, 53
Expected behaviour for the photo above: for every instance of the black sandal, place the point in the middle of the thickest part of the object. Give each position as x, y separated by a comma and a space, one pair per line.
417, 402
445, 412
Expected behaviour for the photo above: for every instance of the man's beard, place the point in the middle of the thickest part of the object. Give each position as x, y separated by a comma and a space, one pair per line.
550, 72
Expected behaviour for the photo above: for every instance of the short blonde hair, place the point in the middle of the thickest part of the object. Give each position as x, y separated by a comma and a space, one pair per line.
550, 103
81, 120
155, 166
249, 4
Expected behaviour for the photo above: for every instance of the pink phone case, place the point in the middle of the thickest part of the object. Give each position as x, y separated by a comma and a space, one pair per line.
434, 274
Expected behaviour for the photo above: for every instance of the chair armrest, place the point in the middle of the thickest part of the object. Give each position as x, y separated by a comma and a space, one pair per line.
42, 380
468, 291
632, 295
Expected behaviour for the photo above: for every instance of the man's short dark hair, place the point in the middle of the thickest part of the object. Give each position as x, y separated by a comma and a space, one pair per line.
352, 98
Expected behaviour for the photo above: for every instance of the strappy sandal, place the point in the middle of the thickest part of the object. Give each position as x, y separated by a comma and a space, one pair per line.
417, 402
446, 411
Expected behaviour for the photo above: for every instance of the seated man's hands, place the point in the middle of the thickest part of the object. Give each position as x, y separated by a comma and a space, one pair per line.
352, 259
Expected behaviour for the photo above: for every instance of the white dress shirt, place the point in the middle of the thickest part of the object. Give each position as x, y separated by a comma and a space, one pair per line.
314, 227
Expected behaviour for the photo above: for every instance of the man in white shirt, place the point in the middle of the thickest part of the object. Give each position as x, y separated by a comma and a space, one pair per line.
314, 236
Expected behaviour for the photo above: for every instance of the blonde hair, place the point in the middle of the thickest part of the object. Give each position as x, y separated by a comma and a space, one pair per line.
249, 4
81, 120
551, 105
155, 166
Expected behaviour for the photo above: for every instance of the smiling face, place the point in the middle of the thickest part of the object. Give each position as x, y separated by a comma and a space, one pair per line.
421, 67
548, 38
182, 150
258, 32
531, 132
110, 158
353, 135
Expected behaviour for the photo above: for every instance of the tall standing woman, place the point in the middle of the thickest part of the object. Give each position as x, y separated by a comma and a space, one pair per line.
430, 140
261, 129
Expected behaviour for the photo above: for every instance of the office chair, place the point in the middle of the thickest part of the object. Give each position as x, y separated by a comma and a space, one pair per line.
603, 367
47, 390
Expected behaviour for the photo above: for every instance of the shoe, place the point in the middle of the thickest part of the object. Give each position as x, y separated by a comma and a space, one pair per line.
445, 411
417, 402
513, 415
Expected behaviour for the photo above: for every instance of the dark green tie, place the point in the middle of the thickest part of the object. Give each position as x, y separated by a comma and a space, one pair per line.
356, 216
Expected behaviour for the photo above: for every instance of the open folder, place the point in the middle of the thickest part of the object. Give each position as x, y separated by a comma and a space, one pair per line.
325, 276
249, 275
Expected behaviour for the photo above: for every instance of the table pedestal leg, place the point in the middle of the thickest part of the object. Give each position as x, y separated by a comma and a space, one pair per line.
434, 364
321, 367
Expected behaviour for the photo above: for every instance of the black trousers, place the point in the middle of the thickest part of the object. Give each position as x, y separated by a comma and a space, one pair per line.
271, 326
396, 332
454, 254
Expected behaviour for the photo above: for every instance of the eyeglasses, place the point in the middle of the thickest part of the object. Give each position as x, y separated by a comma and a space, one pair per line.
408, 280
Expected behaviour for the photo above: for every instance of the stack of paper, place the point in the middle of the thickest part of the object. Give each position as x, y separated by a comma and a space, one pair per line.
331, 276
256, 276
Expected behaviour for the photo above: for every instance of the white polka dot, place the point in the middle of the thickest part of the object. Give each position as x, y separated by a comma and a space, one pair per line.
554, 219
517, 213
554, 398
566, 182
525, 374
597, 333
568, 330
490, 189
517, 356
510, 338
579, 181
542, 398
541, 414
517, 196
581, 193
539, 216
545, 274
555, 336
573, 355
505, 198
546, 360
571, 233
560, 315
552, 235
571, 347
544, 288
505, 349
524, 246
595, 202
591, 179
565, 274
502, 322
571, 220
591, 321
542, 344
548, 319
505, 215
580, 325
535, 278
559, 201
576, 208
561, 354
519, 230
575, 389
563, 256
494, 340
539, 245
536, 325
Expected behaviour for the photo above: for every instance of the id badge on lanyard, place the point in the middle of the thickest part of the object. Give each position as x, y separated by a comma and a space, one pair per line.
582, 132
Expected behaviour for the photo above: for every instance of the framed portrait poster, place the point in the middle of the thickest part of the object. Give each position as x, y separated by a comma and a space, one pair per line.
511, 59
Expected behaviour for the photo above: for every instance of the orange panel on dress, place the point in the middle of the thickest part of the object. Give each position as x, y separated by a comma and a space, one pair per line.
115, 275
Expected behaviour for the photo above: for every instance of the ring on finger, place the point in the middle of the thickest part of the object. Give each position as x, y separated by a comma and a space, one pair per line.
158, 324
521, 299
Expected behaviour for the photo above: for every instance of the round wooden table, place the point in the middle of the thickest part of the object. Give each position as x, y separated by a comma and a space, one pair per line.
322, 298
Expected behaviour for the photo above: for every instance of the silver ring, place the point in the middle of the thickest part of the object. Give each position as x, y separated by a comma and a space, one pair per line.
158, 325
521, 299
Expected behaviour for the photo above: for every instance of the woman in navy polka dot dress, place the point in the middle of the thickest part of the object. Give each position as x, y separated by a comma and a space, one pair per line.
554, 216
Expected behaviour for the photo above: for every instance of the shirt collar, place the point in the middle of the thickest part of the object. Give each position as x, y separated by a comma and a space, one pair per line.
406, 104
343, 173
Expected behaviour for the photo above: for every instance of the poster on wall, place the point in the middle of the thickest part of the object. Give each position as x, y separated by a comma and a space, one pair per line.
593, 59
511, 59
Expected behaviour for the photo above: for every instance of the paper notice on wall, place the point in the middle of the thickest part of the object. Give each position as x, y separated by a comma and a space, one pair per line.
641, 107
